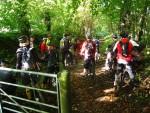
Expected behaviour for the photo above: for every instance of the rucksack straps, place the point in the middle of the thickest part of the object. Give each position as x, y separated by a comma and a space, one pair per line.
124, 43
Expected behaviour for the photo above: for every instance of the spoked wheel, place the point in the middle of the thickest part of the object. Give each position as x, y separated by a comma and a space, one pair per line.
119, 85
126, 78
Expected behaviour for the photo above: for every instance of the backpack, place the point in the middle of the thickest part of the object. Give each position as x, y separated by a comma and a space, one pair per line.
26, 57
65, 43
124, 43
90, 48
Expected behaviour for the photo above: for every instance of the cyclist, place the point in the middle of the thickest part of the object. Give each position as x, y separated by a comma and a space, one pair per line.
27, 59
52, 59
123, 49
23, 45
88, 51
110, 56
65, 45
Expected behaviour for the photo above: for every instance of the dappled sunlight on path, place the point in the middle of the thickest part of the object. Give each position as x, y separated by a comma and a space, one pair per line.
97, 96
88, 97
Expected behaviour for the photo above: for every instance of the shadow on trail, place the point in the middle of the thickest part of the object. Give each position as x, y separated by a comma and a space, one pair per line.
97, 96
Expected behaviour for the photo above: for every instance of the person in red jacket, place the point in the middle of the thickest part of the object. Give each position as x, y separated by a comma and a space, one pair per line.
43, 47
123, 49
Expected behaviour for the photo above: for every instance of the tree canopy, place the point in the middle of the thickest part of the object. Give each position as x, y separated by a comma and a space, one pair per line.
76, 16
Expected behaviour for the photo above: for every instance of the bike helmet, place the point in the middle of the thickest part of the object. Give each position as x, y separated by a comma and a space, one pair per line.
23, 40
114, 36
66, 34
124, 35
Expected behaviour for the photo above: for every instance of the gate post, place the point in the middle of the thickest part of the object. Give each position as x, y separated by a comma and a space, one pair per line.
65, 94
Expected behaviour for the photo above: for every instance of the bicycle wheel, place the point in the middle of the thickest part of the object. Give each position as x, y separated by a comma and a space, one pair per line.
119, 84
126, 78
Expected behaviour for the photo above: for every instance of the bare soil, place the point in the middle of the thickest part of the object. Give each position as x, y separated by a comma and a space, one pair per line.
97, 96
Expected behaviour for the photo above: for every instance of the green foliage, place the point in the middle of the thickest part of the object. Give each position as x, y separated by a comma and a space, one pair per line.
107, 41
73, 16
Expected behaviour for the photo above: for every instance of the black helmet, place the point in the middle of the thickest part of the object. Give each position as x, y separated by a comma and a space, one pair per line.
66, 34
124, 35
23, 39
114, 36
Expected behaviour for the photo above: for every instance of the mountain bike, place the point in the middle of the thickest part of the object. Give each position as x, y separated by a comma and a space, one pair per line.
123, 78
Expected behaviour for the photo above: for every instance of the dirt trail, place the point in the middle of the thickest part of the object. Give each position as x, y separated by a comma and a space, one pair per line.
98, 96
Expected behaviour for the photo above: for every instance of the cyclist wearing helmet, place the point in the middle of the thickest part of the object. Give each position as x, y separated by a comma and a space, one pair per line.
27, 57
123, 49
110, 55
65, 45
52, 59
88, 52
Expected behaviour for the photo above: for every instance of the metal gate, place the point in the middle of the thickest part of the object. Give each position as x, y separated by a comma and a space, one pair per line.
17, 101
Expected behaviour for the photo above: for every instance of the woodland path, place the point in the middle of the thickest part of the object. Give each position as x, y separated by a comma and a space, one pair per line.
98, 96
